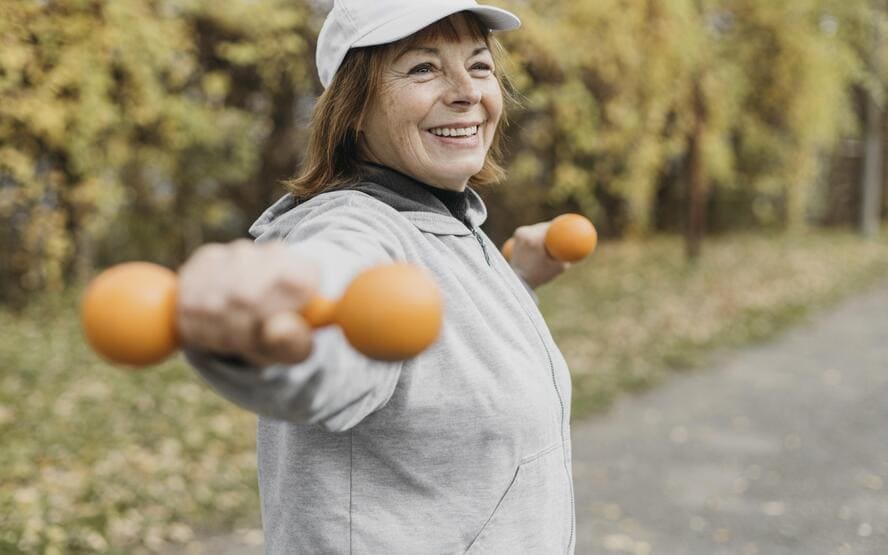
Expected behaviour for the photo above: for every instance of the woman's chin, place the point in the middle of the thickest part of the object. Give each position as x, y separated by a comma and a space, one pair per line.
457, 171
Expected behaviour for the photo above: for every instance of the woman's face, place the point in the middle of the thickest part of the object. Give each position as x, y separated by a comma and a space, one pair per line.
437, 112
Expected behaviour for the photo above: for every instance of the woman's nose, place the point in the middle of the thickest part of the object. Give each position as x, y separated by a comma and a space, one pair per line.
463, 90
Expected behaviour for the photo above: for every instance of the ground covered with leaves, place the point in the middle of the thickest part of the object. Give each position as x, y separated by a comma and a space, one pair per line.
636, 311
96, 460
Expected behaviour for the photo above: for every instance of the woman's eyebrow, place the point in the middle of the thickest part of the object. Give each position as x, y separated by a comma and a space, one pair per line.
436, 52
425, 49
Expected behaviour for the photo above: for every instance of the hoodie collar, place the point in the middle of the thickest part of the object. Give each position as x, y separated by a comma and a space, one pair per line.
413, 199
418, 201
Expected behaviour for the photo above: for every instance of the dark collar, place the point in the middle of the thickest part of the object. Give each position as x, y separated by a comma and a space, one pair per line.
406, 194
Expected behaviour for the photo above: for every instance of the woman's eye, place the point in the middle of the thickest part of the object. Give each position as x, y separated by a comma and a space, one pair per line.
481, 66
423, 69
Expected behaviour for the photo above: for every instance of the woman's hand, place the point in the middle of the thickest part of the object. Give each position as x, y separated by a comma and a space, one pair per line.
243, 299
530, 260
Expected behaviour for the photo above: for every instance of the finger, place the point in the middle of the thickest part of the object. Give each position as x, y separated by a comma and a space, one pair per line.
197, 316
203, 333
240, 333
292, 290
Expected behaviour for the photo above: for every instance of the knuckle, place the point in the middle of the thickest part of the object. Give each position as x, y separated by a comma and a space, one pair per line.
212, 305
203, 307
244, 297
241, 246
271, 246
294, 275
210, 251
187, 307
292, 286
523, 233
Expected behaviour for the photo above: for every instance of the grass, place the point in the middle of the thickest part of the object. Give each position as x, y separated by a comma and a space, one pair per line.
636, 311
95, 460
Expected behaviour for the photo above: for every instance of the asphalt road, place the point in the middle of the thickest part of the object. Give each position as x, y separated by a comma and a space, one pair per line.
776, 449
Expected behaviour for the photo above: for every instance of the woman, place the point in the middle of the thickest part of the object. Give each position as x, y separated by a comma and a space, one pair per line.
465, 448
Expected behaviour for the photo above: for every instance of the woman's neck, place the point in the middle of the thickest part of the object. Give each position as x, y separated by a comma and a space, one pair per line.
368, 158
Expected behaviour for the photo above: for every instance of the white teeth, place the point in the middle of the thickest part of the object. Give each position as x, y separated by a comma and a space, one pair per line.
454, 132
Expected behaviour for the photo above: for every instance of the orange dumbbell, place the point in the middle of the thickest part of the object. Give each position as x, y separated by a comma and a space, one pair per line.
570, 238
390, 312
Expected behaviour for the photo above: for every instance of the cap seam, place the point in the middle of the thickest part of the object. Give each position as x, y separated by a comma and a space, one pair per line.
348, 16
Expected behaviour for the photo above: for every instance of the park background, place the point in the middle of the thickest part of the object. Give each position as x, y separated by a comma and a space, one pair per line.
728, 151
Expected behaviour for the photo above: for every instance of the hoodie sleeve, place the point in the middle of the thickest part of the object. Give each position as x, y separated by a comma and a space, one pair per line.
529, 289
336, 387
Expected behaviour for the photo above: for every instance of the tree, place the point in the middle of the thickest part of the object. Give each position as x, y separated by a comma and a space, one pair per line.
871, 201
136, 128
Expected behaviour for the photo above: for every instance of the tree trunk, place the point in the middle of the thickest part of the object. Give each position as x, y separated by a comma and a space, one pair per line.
698, 186
871, 202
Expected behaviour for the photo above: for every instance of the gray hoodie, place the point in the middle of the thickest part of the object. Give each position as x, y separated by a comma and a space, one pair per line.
463, 449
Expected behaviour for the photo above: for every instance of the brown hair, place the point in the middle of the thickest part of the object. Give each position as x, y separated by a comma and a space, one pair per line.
333, 155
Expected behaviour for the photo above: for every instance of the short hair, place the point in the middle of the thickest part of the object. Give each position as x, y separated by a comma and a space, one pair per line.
332, 158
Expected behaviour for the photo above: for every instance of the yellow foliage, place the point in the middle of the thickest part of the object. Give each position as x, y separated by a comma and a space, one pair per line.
612, 96
141, 124
110, 109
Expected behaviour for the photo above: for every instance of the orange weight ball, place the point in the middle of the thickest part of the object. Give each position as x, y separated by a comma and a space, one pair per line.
129, 313
507, 248
571, 237
390, 312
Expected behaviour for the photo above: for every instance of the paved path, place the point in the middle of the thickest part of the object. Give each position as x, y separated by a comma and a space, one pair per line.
777, 449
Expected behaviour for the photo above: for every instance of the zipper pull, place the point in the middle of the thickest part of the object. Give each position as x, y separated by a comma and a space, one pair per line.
483, 248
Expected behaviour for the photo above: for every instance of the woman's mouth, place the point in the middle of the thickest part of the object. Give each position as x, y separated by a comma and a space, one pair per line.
455, 132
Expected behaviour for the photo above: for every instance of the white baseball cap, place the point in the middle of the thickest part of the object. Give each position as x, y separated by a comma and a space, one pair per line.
355, 23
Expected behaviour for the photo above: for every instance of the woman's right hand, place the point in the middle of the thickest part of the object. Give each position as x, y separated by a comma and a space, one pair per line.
244, 298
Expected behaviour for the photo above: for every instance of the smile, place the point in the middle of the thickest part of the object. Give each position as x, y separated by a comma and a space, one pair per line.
455, 132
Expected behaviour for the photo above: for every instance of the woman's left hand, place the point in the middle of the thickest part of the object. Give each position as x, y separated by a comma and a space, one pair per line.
530, 260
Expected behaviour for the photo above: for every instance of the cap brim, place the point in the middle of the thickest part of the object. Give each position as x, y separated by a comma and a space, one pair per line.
398, 28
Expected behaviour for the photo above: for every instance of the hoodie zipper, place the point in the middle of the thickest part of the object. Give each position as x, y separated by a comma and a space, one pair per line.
551, 370
481, 242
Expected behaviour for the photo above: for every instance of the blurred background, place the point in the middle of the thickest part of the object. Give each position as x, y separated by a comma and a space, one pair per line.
728, 151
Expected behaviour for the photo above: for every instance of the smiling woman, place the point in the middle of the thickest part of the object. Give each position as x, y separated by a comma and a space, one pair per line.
405, 80
463, 448
438, 111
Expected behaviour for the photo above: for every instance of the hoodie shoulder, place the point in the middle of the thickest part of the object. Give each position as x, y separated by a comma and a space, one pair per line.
280, 218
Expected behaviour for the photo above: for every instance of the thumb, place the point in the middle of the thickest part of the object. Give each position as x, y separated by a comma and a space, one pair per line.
285, 337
